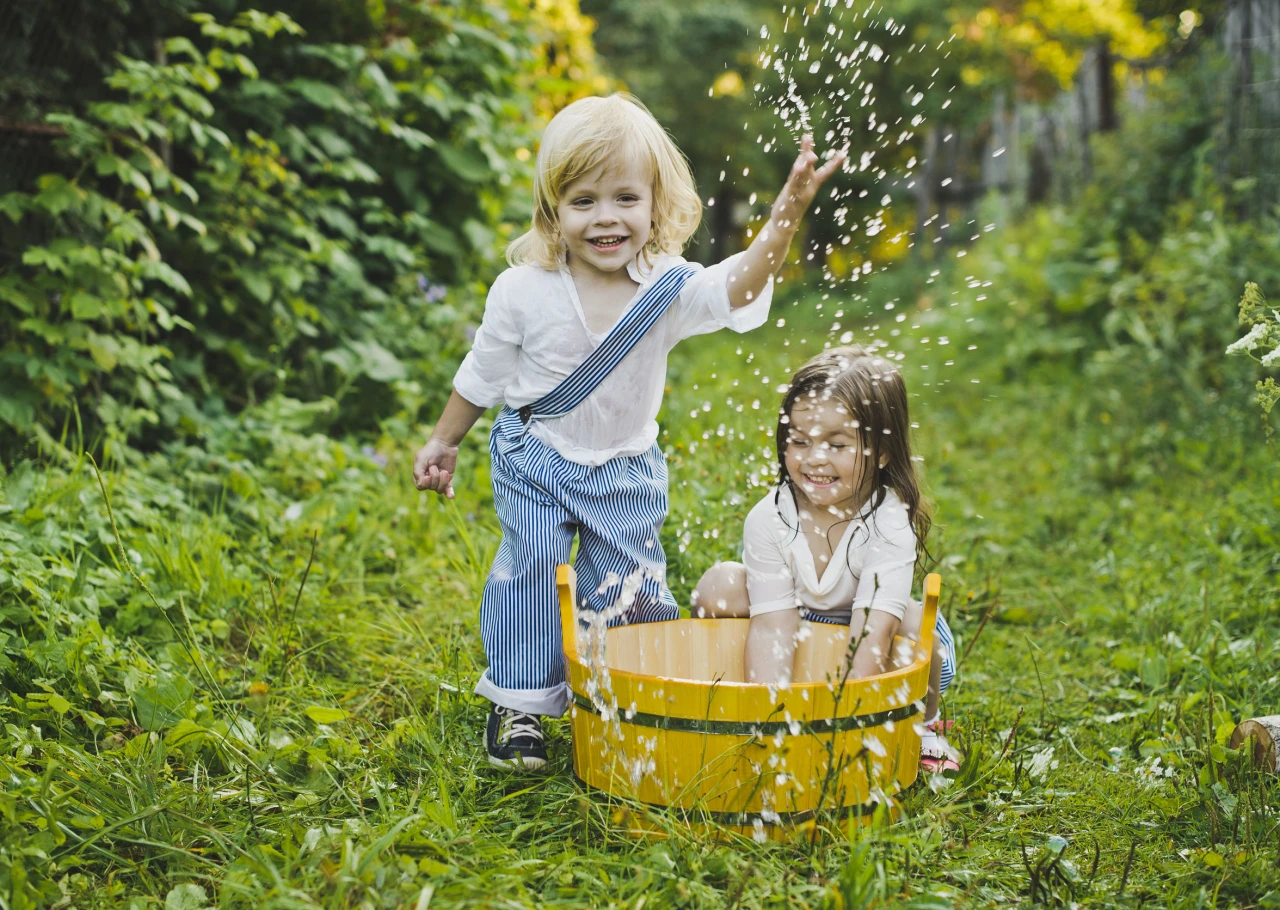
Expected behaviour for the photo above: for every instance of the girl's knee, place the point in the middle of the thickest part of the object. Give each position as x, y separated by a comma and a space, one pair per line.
722, 591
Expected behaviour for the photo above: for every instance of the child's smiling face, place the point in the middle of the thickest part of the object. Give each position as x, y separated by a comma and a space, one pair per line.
824, 453
605, 216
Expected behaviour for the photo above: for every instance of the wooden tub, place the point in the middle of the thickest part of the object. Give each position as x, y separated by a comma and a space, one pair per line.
672, 724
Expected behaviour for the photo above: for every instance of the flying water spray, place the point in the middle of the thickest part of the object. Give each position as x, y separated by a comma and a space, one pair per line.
849, 74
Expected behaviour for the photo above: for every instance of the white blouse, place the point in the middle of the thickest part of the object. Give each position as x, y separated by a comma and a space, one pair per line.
534, 334
871, 567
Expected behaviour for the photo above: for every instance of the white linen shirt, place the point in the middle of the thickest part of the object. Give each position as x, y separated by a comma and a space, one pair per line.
534, 334
871, 567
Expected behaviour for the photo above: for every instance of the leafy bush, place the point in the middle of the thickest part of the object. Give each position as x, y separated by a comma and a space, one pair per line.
221, 231
1132, 279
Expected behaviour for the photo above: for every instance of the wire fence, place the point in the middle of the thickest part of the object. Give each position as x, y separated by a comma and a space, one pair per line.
1032, 152
1251, 39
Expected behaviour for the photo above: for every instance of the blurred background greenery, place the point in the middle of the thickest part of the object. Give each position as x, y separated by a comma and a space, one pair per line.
207, 208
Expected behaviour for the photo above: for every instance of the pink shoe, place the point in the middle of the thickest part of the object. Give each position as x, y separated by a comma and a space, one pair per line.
936, 754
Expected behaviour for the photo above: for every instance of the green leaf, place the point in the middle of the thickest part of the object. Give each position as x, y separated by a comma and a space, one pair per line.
258, 285
11, 292
186, 897
105, 352
17, 412
1155, 671
322, 715
183, 46
1222, 732
378, 363
468, 164
1151, 747
85, 305
394, 250
439, 238
38, 255
322, 95
166, 274
163, 704
378, 79
186, 732
58, 703
14, 204
57, 194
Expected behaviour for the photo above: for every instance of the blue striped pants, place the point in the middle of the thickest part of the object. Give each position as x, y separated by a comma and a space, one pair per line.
542, 499
941, 630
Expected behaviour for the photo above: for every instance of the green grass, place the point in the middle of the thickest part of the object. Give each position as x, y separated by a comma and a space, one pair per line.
1109, 561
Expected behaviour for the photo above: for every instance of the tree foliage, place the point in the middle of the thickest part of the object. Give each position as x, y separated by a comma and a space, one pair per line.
258, 213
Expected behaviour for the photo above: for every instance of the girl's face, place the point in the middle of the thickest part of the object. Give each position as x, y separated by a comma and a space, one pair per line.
824, 454
605, 216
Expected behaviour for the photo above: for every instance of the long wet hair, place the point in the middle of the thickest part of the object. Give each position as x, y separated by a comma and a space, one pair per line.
872, 390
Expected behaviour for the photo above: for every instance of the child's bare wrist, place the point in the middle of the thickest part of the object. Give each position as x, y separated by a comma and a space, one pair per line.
782, 223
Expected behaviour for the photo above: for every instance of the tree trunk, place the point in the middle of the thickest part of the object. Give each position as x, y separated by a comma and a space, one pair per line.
1107, 119
926, 181
1040, 163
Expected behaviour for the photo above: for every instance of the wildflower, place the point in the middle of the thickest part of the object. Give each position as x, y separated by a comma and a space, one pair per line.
432, 293
1272, 359
1042, 762
1250, 341
1251, 303
374, 455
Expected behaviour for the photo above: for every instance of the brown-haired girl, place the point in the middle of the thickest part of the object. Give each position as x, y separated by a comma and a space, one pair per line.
837, 540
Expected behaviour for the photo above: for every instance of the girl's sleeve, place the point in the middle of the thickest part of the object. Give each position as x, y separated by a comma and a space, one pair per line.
703, 304
889, 560
770, 585
494, 358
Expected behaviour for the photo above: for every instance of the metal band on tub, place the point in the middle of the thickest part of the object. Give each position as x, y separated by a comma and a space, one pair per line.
762, 729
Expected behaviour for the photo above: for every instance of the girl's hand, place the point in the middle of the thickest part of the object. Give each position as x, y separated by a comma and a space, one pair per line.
433, 467
803, 184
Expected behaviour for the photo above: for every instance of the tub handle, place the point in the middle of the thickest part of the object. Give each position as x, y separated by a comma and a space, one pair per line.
567, 588
928, 622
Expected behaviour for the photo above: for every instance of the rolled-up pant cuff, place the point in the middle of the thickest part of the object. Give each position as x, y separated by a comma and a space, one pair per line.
549, 702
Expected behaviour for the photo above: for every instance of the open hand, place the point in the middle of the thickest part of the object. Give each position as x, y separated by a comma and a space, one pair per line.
803, 184
433, 467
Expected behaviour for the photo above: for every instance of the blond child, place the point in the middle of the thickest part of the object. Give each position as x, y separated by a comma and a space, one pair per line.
574, 345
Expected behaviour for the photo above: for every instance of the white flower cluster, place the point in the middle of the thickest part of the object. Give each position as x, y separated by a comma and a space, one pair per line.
1257, 335
1153, 775
1264, 328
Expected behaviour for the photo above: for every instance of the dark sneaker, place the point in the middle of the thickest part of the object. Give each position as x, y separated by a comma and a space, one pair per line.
514, 740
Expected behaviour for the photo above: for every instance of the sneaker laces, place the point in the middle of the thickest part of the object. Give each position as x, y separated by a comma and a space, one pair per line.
517, 723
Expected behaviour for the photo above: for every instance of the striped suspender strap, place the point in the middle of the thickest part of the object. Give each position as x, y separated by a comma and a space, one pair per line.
623, 338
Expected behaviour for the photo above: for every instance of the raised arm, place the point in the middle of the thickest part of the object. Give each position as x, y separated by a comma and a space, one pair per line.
769, 249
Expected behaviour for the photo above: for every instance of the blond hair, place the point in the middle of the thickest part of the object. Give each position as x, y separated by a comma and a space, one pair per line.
594, 131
